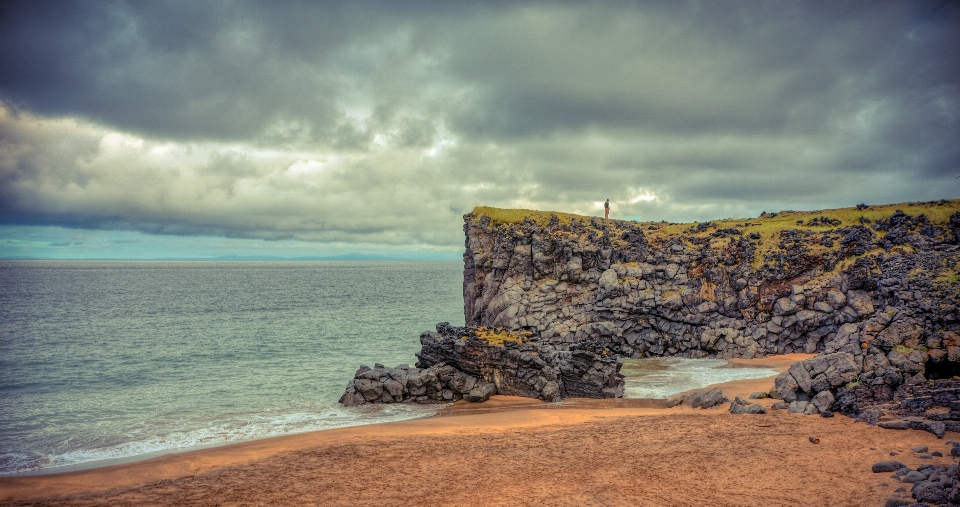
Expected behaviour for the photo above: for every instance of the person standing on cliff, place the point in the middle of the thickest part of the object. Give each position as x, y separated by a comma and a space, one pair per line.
606, 209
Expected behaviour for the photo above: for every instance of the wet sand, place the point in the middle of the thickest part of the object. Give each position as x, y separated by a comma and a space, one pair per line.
516, 451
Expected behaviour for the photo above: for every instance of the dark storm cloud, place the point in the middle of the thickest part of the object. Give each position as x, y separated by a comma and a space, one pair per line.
729, 67
185, 69
380, 122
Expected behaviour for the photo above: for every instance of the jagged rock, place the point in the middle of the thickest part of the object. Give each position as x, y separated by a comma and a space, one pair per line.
742, 406
930, 492
438, 384
705, 399
823, 400
821, 374
473, 363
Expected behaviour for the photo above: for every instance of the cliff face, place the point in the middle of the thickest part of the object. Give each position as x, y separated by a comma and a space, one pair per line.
873, 290
781, 283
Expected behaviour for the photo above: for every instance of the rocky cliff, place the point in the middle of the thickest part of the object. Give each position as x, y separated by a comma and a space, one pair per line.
875, 288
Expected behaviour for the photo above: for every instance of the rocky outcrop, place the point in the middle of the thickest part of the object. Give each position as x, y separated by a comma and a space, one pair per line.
438, 384
877, 299
473, 363
702, 399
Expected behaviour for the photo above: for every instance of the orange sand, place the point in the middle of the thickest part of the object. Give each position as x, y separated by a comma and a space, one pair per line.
515, 451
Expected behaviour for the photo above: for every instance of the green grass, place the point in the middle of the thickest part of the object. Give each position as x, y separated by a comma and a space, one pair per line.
768, 227
514, 216
903, 349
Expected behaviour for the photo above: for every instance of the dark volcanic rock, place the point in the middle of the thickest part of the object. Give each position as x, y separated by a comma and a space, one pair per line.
473, 363
705, 399
887, 466
525, 368
932, 484
930, 492
755, 408
438, 384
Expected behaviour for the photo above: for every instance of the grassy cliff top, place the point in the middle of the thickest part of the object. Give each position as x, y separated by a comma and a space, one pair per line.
512, 216
937, 211
768, 225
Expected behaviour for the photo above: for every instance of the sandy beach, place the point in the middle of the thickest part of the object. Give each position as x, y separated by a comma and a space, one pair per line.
516, 451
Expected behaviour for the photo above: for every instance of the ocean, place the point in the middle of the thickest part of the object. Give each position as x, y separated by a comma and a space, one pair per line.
112, 361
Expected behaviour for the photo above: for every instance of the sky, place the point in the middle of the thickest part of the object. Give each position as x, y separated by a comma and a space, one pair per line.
293, 129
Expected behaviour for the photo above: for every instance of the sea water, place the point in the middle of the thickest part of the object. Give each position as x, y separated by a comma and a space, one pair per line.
103, 362
106, 360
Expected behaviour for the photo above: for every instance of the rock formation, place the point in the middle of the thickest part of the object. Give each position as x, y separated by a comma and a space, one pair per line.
873, 290
472, 363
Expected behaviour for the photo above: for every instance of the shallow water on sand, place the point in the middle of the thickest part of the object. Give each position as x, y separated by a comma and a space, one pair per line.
663, 377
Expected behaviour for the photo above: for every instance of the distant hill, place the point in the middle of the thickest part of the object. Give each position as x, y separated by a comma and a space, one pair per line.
344, 257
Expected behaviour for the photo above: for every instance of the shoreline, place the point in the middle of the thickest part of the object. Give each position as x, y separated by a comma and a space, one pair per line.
515, 433
496, 404
777, 363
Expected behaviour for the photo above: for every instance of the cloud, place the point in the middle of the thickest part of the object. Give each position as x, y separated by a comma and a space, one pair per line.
104, 179
381, 123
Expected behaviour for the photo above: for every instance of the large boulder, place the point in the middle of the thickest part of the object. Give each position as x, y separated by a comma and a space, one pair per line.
438, 384
705, 399
816, 380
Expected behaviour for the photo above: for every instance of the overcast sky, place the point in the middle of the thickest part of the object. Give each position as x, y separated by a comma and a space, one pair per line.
285, 128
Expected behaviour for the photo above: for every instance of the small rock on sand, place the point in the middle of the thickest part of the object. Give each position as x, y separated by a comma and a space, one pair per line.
886, 466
